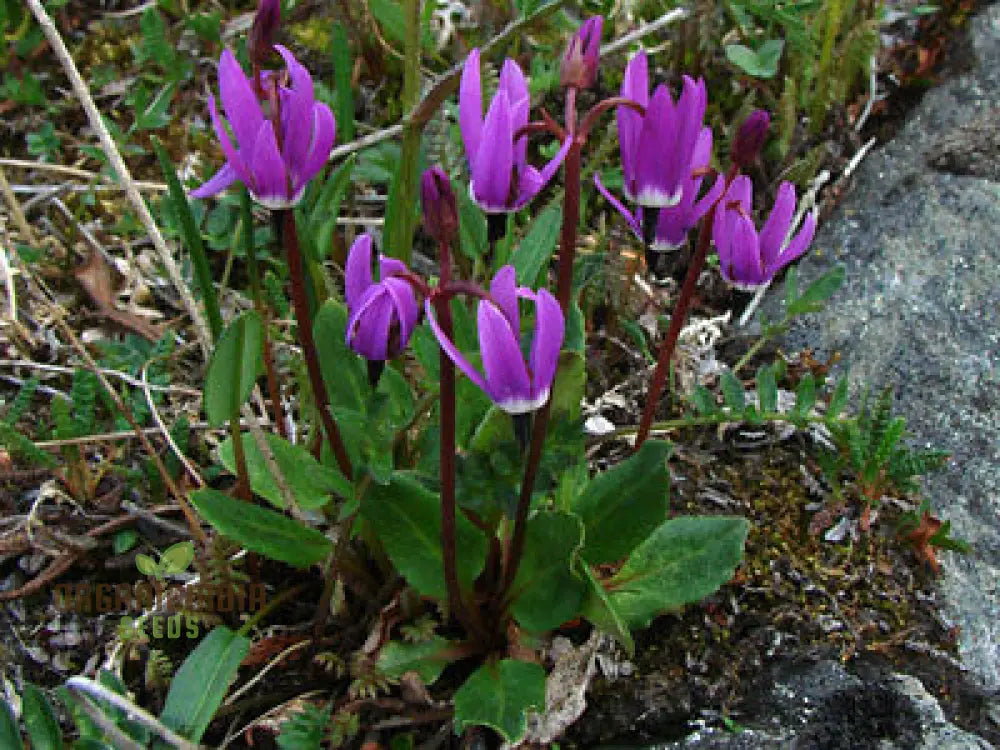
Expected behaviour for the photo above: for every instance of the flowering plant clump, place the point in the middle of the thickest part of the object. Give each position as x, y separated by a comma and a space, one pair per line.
436, 468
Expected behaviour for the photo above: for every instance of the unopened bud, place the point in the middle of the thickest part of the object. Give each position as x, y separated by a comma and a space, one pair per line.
750, 138
579, 63
265, 25
440, 208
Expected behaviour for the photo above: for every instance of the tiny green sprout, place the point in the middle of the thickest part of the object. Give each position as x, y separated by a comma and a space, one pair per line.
175, 559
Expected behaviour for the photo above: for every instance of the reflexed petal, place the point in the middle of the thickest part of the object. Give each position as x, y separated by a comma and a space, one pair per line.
451, 350
233, 158
632, 219
635, 86
239, 101
672, 227
270, 179
217, 183
507, 379
657, 173
368, 326
358, 270
745, 268
491, 174
324, 133
405, 303
513, 83
297, 115
740, 190
701, 157
470, 107
775, 229
531, 181
388, 266
708, 200
549, 330
503, 290
798, 245
690, 121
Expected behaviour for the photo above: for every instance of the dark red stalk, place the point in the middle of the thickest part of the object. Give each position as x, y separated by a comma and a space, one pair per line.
677, 318
303, 319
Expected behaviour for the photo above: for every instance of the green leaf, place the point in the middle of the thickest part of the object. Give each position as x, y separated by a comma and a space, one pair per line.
767, 390
340, 50
805, 395
622, 506
684, 560
732, 392
390, 17
10, 737
124, 540
704, 401
427, 658
262, 530
546, 592
818, 292
570, 384
762, 63
202, 681
598, 608
310, 483
407, 519
499, 695
343, 371
471, 225
791, 286
147, 565
837, 401
236, 364
538, 245
326, 209
177, 557
43, 728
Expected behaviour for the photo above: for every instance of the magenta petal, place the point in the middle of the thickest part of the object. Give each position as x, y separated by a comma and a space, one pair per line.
233, 158
389, 266
324, 133
405, 304
513, 83
507, 381
491, 174
701, 207
549, 330
368, 326
451, 350
798, 245
775, 229
741, 191
690, 121
657, 172
672, 226
239, 101
470, 107
297, 113
503, 290
217, 183
635, 86
745, 266
358, 270
270, 177
632, 220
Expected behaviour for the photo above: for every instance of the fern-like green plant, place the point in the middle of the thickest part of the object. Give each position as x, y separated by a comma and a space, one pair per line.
17, 444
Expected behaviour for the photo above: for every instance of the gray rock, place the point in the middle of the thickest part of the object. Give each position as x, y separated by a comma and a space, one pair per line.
920, 309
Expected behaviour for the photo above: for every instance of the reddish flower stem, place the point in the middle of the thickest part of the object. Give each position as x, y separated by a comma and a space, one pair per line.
677, 318
303, 319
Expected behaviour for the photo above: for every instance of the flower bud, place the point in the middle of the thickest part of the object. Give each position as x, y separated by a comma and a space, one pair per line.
265, 24
440, 209
579, 63
750, 138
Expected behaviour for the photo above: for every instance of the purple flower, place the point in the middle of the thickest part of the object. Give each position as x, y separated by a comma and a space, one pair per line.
657, 148
440, 209
674, 222
382, 315
749, 260
750, 138
579, 63
275, 167
516, 386
502, 180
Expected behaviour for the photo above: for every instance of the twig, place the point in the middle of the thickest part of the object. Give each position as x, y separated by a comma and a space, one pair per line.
678, 14
123, 376
55, 569
121, 170
81, 685
83, 174
15, 210
155, 413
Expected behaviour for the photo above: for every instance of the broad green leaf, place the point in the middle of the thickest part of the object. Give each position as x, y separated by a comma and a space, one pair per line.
499, 695
683, 561
576, 330
818, 292
390, 17
427, 658
622, 506
496, 427
760, 63
767, 390
10, 736
262, 530
546, 592
407, 519
537, 246
177, 557
732, 392
340, 51
569, 385
704, 401
344, 372
43, 728
147, 565
310, 483
327, 207
471, 225
236, 364
597, 608
197, 690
